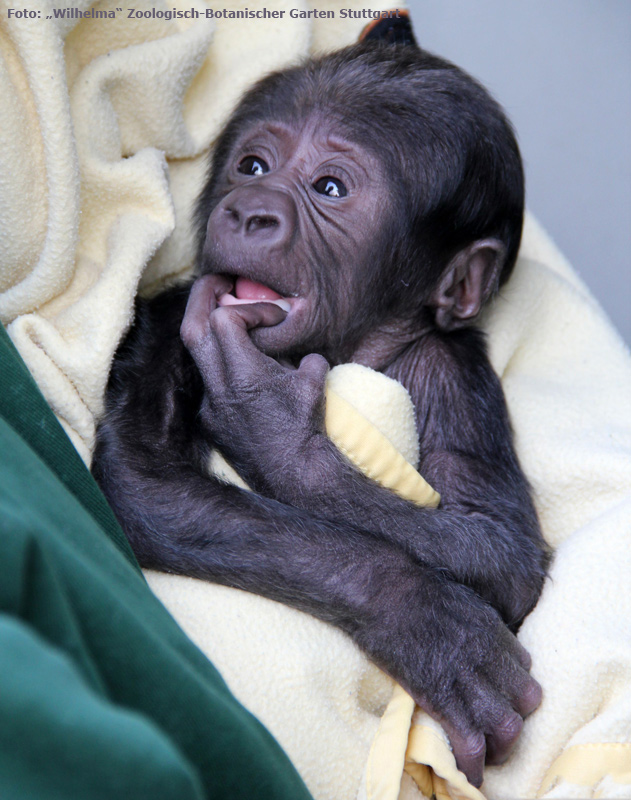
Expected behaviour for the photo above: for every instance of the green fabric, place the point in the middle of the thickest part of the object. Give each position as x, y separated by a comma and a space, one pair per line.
67, 741
24, 407
101, 694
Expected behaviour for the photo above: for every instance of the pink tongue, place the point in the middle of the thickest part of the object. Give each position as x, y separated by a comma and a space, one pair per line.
245, 289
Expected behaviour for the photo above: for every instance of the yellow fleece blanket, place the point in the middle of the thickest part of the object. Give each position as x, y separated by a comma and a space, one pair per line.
104, 126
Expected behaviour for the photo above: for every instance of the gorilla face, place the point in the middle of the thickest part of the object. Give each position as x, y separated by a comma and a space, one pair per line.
299, 222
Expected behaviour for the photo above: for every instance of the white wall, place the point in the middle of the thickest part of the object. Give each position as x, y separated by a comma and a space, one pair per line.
562, 71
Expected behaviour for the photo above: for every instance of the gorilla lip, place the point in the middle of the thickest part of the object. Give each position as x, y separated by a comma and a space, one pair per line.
246, 291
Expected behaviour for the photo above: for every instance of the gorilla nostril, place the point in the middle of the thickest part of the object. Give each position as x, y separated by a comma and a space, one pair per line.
233, 216
259, 222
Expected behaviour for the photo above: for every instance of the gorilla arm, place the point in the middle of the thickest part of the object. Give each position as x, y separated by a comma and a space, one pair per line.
268, 419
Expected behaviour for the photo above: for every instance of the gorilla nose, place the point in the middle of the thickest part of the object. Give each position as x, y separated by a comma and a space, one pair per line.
255, 215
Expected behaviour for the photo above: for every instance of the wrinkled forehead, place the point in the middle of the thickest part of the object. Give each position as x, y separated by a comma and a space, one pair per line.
326, 132
354, 129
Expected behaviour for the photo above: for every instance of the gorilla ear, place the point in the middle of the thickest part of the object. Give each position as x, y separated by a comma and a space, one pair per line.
393, 30
469, 280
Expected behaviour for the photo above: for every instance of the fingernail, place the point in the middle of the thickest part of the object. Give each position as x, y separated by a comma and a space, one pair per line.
286, 306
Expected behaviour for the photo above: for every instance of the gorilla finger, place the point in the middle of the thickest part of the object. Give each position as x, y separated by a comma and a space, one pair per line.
315, 368
509, 678
202, 301
489, 710
528, 698
502, 736
221, 285
234, 319
469, 749
241, 358
521, 654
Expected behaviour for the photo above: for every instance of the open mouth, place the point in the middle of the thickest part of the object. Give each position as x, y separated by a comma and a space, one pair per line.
245, 290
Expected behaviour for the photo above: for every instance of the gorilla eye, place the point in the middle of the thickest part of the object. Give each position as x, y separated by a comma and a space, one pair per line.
331, 187
252, 165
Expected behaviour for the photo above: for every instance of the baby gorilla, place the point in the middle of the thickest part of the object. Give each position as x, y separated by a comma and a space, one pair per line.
362, 208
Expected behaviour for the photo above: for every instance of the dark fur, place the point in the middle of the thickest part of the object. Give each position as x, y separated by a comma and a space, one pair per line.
422, 591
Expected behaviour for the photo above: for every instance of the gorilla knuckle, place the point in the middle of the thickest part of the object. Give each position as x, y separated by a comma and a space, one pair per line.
190, 332
223, 319
508, 728
531, 696
473, 747
314, 368
318, 361
219, 317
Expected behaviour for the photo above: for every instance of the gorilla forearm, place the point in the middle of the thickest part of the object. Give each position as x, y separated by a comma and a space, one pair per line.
488, 542
193, 525
485, 534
